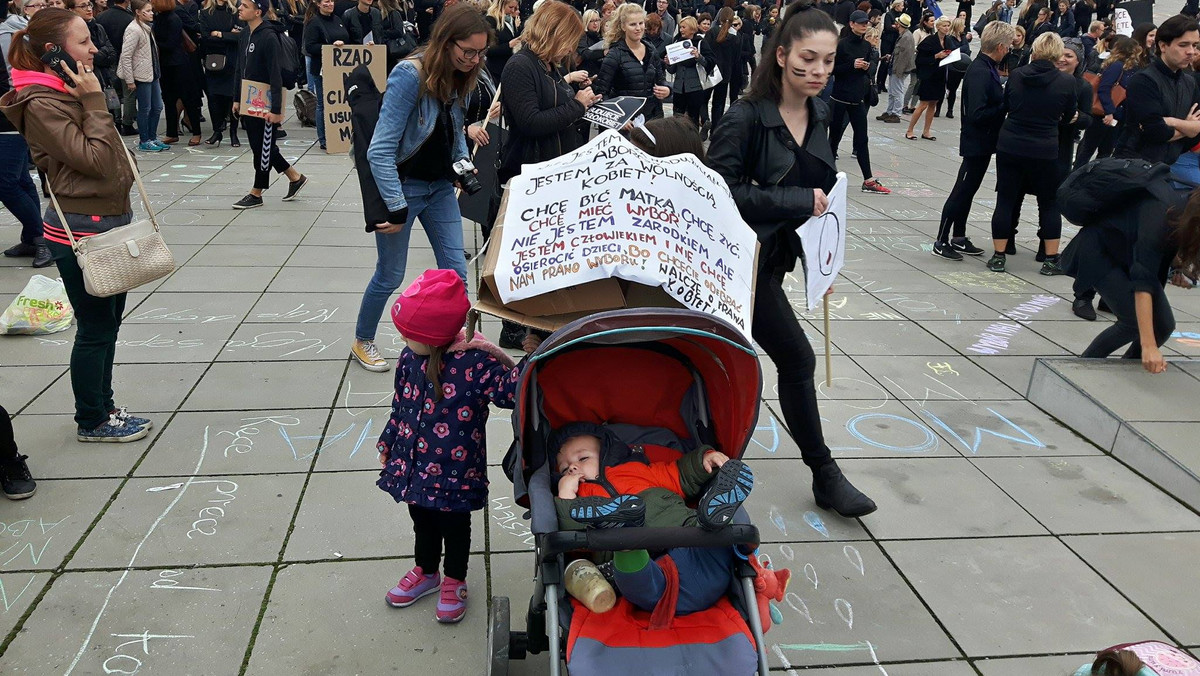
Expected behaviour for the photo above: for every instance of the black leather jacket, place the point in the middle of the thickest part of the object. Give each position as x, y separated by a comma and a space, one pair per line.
754, 152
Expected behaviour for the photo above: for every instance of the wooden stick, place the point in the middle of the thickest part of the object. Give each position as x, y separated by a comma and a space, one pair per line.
828, 358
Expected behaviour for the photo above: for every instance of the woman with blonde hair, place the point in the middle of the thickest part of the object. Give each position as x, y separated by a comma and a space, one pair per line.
504, 16
932, 89
631, 67
958, 39
589, 56
222, 32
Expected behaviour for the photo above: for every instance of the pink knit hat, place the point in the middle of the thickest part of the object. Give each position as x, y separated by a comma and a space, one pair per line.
433, 308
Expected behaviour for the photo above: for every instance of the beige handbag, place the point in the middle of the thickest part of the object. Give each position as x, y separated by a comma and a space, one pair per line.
125, 257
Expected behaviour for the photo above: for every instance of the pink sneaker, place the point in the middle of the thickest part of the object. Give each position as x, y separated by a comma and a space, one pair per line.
412, 587
452, 604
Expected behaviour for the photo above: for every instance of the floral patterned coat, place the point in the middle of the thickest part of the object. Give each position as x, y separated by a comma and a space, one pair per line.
437, 450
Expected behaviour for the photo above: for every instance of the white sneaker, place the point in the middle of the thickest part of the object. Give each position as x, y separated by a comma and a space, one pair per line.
368, 357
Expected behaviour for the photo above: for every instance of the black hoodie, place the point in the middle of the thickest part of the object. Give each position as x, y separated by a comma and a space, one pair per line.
1038, 98
260, 61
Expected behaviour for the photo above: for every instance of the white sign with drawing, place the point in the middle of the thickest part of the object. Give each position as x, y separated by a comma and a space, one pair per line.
824, 239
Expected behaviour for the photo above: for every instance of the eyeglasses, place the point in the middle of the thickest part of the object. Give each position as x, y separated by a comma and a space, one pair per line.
470, 54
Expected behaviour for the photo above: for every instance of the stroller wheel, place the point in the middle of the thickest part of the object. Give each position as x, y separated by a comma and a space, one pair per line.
498, 637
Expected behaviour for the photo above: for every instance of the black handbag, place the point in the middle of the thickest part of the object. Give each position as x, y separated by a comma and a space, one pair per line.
215, 63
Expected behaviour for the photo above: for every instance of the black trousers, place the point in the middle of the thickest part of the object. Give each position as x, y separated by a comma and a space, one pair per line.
1117, 290
857, 114
958, 204
265, 153
690, 104
220, 111
1098, 138
777, 330
953, 79
1016, 177
431, 529
720, 94
8, 441
179, 84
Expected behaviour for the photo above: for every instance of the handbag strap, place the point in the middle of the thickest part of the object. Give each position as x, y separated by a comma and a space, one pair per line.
141, 189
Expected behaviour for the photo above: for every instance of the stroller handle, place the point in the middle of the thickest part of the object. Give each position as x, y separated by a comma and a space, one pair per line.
616, 539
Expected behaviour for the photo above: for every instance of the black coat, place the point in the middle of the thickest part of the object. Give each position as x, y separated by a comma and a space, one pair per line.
1136, 240
850, 83
1067, 130
499, 53
105, 60
932, 76
590, 59
1038, 99
727, 55
322, 30
365, 100
114, 20
359, 25
622, 74
541, 112
982, 108
687, 77
755, 153
168, 35
221, 82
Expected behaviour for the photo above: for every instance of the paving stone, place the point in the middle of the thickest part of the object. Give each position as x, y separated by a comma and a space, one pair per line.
232, 279
190, 308
141, 388
39, 532
939, 378
307, 308
17, 592
321, 280
936, 307
996, 337
786, 512
919, 669
890, 337
1001, 428
269, 385
288, 342
233, 255
237, 442
879, 429
49, 441
21, 384
1066, 665
171, 343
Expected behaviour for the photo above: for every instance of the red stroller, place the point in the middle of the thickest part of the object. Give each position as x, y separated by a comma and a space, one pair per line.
669, 379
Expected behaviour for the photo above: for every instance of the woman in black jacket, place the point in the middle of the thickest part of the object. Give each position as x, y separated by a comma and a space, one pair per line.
631, 67
727, 55
222, 32
399, 38
590, 57
504, 16
932, 76
1039, 98
178, 76
363, 20
105, 59
688, 86
1071, 63
321, 27
772, 148
851, 79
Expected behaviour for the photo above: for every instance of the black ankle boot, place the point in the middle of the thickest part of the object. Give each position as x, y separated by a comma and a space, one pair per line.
833, 490
512, 335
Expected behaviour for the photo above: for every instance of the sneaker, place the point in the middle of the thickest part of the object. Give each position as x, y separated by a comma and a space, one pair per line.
1082, 307
21, 250
1050, 268
123, 415
16, 480
148, 147
623, 510
452, 603
412, 587
875, 187
294, 187
250, 201
726, 493
944, 250
42, 258
115, 431
996, 262
964, 246
368, 357
161, 145
893, 119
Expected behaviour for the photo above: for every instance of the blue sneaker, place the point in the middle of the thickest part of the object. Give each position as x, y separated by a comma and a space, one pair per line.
727, 491
113, 431
149, 147
122, 414
623, 510
161, 145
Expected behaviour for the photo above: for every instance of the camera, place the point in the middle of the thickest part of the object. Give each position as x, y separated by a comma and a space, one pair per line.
465, 170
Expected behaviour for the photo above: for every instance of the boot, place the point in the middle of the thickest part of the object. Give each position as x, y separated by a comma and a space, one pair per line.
42, 258
833, 490
512, 335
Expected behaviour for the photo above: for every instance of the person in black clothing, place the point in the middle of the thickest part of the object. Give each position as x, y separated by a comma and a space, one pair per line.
222, 33
260, 62
851, 79
1039, 98
15, 479
427, 12
363, 21
727, 53
981, 118
887, 43
1161, 118
965, 7
688, 86
105, 59
960, 39
115, 20
1017, 56
397, 34
932, 76
321, 27
1071, 63
178, 77
631, 67
590, 58
504, 16
772, 148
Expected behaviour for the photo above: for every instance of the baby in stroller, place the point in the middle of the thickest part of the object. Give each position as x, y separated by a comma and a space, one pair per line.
605, 484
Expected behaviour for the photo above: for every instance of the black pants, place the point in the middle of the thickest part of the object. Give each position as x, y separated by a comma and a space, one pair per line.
431, 528
857, 114
1098, 138
98, 320
1117, 290
720, 94
265, 153
953, 79
881, 75
777, 330
1016, 177
958, 204
220, 110
8, 441
690, 104
179, 84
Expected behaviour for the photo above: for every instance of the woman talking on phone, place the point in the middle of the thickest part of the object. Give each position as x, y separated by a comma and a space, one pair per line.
772, 148
58, 106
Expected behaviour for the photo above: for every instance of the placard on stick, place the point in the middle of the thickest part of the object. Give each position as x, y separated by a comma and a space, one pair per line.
824, 240
337, 62
255, 99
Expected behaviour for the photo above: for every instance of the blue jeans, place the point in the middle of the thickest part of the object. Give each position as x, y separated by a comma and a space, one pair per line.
437, 207
314, 86
17, 191
703, 579
150, 107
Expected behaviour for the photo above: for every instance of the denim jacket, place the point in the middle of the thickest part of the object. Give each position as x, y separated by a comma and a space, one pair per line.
400, 132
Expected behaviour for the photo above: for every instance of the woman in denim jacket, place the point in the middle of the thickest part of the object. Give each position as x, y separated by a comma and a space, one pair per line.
417, 141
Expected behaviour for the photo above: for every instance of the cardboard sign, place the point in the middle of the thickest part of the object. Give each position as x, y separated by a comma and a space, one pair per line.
824, 240
610, 210
336, 65
615, 113
1122, 22
679, 51
255, 99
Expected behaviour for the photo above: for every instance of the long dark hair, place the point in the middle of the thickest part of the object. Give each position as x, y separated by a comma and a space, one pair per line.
801, 20
441, 79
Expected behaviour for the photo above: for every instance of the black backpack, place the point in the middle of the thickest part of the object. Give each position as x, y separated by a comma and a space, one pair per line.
305, 103
1104, 187
289, 60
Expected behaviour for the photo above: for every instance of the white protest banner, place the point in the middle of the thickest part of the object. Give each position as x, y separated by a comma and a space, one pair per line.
679, 51
615, 113
824, 240
610, 210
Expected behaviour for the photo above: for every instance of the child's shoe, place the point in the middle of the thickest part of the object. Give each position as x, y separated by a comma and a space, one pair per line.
727, 491
452, 604
623, 510
412, 587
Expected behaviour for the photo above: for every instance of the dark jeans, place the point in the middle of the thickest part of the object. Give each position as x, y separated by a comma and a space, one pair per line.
179, 84
690, 104
431, 528
720, 94
264, 151
777, 330
8, 442
1117, 290
703, 579
17, 192
857, 114
97, 322
1098, 138
958, 204
1017, 176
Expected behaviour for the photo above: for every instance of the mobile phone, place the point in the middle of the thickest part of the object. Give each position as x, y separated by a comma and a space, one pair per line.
54, 58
